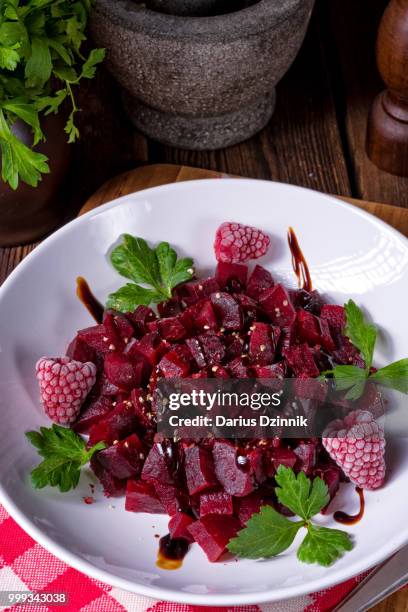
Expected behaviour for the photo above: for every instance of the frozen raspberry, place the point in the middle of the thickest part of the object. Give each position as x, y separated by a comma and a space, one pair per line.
357, 445
64, 384
236, 243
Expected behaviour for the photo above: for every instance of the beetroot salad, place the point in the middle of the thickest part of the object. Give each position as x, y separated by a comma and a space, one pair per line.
240, 323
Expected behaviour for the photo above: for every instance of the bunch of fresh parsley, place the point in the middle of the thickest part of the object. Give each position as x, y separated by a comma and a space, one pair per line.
269, 533
157, 268
40, 64
63, 453
363, 336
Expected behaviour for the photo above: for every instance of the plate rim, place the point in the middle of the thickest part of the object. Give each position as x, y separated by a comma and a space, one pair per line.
158, 592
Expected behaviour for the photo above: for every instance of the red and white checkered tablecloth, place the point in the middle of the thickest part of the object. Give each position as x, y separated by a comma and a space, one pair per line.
26, 566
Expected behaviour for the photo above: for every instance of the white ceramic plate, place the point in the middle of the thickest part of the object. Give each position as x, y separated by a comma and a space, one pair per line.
350, 253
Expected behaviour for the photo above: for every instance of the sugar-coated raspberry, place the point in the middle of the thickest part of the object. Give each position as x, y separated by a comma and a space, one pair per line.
64, 385
357, 445
236, 243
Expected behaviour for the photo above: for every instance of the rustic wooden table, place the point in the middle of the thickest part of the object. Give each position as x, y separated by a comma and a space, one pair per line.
316, 138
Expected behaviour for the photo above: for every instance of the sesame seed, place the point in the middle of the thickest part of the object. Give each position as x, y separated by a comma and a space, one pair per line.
149, 397
218, 295
206, 327
141, 400
285, 302
105, 339
190, 270
262, 348
222, 329
214, 368
115, 441
200, 287
112, 347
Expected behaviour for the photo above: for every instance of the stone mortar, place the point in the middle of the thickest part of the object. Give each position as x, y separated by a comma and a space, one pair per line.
200, 82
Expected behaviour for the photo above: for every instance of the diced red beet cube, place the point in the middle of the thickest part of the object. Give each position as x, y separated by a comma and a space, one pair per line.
152, 347
197, 352
123, 460
167, 495
301, 361
326, 339
192, 292
310, 388
234, 346
347, 353
171, 329
176, 363
79, 350
263, 343
217, 502
170, 308
335, 316
256, 464
237, 480
140, 318
92, 413
212, 347
331, 476
199, 469
153, 326
278, 306
142, 407
276, 370
313, 330
122, 372
237, 368
178, 526
141, 497
306, 300
249, 307
96, 338
283, 456
213, 533
206, 318
259, 281
306, 453
121, 323
156, 467
227, 310
227, 272
112, 486
247, 506
118, 424
188, 316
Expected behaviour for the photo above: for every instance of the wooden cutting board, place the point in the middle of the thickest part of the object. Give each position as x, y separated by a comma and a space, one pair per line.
162, 174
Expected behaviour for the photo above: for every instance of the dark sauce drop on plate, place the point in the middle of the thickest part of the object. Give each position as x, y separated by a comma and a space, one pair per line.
299, 262
88, 299
351, 519
171, 552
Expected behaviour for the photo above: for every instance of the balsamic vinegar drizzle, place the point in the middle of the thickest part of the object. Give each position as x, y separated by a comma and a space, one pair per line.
351, 519
299, 262
171, 552
88, 299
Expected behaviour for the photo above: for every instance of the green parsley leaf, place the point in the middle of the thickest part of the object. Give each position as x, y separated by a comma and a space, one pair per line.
64, 453
323, 545
18, 160
134, 259
158, 268
269, 533
394, 375
125, 298
39, 66
95, 57
299, 494
266, 534
361, 333
9, 58
172, 272
28, 113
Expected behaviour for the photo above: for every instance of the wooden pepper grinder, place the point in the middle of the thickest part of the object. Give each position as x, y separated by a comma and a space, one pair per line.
387, 133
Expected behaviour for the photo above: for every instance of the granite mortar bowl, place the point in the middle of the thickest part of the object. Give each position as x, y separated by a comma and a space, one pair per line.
200, 82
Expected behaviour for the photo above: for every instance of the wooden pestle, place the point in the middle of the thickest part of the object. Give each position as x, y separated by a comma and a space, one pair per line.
387, 132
